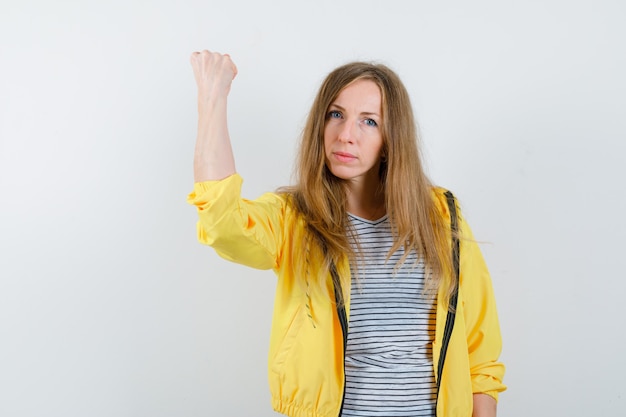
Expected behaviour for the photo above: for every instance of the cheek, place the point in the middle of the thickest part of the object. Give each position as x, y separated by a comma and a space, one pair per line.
377, 146
381, 144
327, 139
380, 150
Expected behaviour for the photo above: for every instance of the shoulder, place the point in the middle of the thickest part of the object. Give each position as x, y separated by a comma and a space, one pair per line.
443, 198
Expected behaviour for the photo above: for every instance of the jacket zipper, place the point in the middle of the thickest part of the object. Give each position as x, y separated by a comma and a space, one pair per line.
447, 332
343, 320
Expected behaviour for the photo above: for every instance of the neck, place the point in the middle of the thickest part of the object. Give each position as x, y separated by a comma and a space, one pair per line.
367, 202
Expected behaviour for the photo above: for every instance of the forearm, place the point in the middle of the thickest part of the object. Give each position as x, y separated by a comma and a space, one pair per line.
213, 157
484, 406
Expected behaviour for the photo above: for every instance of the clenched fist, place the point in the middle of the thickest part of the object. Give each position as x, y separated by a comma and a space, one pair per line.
214, 73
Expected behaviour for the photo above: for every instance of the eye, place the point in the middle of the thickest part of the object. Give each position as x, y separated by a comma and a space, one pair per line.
370, 122
334, 114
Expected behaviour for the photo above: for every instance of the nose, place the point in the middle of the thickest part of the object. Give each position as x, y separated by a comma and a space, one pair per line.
347, 132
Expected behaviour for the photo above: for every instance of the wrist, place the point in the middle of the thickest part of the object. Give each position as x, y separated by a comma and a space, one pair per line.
211, 105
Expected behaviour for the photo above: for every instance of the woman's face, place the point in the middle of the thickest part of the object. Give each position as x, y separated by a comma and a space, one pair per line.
352, 135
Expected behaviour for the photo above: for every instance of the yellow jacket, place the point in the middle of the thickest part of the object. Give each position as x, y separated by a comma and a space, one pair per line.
306, 361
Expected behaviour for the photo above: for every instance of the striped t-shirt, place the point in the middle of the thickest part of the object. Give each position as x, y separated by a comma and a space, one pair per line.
389, 368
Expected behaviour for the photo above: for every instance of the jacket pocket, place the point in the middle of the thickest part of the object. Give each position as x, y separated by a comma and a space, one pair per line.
288, 342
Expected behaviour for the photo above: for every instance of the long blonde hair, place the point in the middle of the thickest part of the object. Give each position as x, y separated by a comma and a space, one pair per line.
320, 197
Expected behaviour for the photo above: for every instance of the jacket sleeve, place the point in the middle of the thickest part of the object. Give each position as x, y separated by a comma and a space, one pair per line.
248, 232
484, 341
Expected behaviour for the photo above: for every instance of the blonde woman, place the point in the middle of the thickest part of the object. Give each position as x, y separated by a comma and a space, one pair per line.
384, 305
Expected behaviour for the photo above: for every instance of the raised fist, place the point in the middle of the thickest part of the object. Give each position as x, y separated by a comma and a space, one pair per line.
214, 73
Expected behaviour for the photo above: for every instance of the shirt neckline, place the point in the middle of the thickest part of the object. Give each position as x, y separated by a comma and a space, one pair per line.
372, 222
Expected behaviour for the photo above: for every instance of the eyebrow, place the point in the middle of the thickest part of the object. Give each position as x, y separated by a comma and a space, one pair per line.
365, 113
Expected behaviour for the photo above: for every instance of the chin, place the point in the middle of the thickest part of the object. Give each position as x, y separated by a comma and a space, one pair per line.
340, 173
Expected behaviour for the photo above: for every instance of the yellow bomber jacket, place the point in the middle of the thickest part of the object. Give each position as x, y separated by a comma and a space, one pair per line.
306, 359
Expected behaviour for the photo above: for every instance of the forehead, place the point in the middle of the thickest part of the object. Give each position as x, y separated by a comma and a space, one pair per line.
363, 95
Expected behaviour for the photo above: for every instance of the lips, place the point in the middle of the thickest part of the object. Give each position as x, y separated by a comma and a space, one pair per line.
344, 156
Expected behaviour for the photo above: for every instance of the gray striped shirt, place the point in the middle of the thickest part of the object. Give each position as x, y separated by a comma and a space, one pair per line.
389, 368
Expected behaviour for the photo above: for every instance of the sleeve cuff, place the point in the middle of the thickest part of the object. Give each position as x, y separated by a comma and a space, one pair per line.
206, 191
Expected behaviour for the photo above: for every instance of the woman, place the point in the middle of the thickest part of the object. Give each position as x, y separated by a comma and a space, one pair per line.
362, 249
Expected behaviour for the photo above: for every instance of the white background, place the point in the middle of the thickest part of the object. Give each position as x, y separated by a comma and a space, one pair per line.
109, 306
